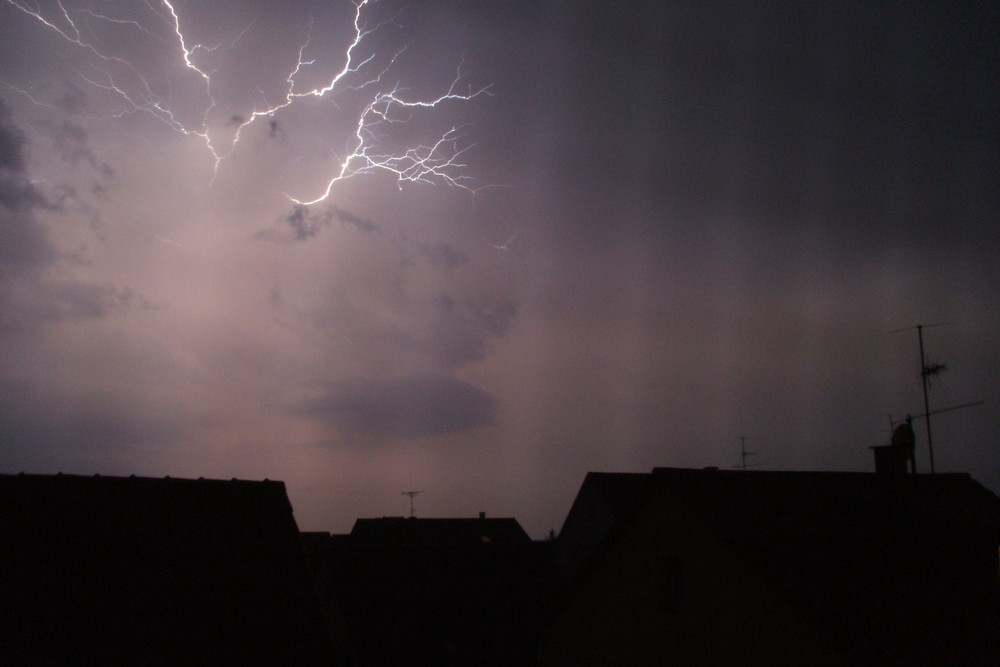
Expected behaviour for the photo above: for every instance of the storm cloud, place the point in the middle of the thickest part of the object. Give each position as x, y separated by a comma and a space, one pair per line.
442, 255
407, 408
306, 222
24, 245
670, 226
455, 333
71, 143
28, 296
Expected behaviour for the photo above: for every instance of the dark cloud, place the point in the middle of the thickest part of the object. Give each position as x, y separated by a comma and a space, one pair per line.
302, 224
71, 143
24, 245
305, 223
457, 333
706, 220
11, 143
492, 314
362, 224
418, 406
463, 329
73, 100
30, 304
42, 424
66, 301
27, 299
442, 255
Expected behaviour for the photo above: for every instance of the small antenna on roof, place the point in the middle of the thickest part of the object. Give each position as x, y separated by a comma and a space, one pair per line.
411, 494
925, 372
744, 454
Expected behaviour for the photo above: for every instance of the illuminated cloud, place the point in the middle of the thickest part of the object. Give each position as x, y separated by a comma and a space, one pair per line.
660, 229
373, 107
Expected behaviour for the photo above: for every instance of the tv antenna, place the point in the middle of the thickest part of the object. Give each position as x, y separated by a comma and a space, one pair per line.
894, 422
925, 372
411, 494
744, 454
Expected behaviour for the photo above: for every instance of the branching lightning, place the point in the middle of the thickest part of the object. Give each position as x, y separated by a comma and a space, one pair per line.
388, 104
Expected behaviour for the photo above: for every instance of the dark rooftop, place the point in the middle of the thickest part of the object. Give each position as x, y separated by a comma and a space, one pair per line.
142, 570
906, 565
439, 591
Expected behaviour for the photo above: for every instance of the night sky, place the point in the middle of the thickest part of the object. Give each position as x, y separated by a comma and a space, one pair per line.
547, 238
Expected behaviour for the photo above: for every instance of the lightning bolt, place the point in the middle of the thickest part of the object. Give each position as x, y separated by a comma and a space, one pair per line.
384, 105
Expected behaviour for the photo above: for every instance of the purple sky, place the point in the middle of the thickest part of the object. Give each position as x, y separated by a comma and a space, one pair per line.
651, 228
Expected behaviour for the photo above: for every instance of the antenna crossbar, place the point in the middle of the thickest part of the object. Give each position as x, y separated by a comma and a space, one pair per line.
412, 495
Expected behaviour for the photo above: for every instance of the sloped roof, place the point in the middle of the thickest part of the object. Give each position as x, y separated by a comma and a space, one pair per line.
132, 569
899, 569
801, 504
886, 568
619, 493
604, 501
766, 512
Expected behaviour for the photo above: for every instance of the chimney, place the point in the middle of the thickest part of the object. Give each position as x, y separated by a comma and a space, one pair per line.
890, 460
482, 515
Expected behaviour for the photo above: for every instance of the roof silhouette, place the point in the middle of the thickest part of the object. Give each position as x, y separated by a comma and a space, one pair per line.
885, 568
438, 591
163, 571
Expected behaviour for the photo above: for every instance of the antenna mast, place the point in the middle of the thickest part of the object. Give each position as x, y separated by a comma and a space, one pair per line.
925, 370
744, 453
411, 494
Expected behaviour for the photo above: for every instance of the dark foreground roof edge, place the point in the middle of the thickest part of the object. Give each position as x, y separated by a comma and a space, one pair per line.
139, 478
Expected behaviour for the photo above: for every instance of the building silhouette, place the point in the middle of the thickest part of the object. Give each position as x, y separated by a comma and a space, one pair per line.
672, 566
733, 567
462, 591
132, 570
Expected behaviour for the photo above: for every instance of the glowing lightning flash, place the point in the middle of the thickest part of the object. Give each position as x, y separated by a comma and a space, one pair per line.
437, 162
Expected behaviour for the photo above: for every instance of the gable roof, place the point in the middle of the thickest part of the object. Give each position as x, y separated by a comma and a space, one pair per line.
604, 501
886, 568
764, 512
747, 502
165, 570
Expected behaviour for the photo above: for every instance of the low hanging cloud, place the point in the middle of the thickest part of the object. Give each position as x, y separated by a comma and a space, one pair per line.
72, 144
455, 333
303, 223
24, 244
69, 301
361, 224
28, 297
53, 419
412, 407
442, 255
73, 100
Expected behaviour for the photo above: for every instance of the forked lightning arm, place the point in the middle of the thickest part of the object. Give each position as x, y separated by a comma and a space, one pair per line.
437, 162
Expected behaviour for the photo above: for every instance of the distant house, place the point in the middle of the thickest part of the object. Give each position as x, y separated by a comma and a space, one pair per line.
115, 570
728, 567
465, 591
